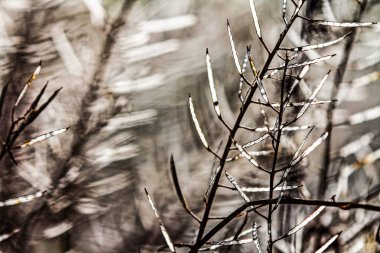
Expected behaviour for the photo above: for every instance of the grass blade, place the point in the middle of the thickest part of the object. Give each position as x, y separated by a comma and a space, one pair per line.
296, 154
178, 189
251, 62
262, 91
42, 137
328, 243
196, 123
22, 199
162, 227
266, 189
7, 235
35, 114
365, 80
364, 116
255, 238
28, 83
212, 182
255, 18
306, 221
309, 149
234, 53
245, 62
4, 92
342, 24
246, 155
212, 85
312, 96
316, 46
34, 104
284, 5
314, 61
251, 153
237, 187
226, 243
256, 141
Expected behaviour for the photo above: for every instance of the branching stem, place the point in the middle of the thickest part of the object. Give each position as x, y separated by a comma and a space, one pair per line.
200, 240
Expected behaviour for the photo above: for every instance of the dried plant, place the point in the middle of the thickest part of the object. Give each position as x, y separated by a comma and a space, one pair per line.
68, 189
267, 214
83, 187
19, 123
126, 70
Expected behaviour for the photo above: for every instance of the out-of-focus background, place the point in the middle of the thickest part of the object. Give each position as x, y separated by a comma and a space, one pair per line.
127, 68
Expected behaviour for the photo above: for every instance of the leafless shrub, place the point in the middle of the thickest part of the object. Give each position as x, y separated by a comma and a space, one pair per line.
83, 191
282, 115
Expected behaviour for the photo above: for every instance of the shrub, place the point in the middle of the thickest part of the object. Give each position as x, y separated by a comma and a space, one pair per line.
275, 213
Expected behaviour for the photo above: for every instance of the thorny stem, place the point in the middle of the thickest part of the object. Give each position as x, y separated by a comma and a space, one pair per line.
200, 240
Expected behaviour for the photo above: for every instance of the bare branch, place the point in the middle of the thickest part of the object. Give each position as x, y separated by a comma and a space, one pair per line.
288, 201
